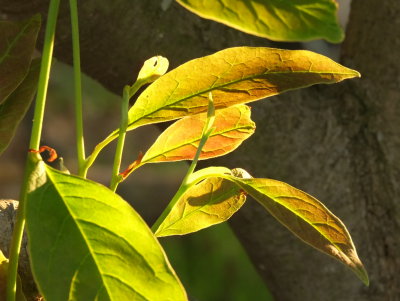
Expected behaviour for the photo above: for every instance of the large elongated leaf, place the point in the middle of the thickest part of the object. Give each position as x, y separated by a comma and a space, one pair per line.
17, 42
234, 75
279, 20
210, 202
86, 243
17, 104
180, 141
307, 218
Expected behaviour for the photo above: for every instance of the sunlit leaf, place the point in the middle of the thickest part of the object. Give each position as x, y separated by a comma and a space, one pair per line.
17, 42
87, 243
17, 104
279, 20
234, 75
180, 141
210, 202
307, 218
3, 281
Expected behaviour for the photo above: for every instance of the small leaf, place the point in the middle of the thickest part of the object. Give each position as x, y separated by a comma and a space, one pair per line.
17, 104
278, 20
3, 281
210, 202
307, 218
87, 243
17, 42
180, 141
153, 68
234, 75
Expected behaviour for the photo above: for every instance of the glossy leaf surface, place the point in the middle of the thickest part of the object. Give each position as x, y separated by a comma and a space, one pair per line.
14, 108
279, 20
307, 218
17, 42
86, 243
210, 202
180, 141
234, 75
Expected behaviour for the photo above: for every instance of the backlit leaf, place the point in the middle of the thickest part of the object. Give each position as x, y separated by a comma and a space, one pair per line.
17, 42
279, 20
87, 243
17, 104
307, 218
180, 141
234, 75
210, 202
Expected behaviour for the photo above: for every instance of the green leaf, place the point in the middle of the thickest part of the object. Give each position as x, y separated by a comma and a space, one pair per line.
17, 42
17, 104
3, 281
87, 243
307, 218
234, 75
180, 141
278, 20
210, 202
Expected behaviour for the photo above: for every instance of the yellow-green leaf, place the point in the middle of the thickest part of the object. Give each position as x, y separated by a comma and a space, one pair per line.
234, 75
17, 42
180, 141
14, 108
279, 20
307, 218
87, 243
210, 202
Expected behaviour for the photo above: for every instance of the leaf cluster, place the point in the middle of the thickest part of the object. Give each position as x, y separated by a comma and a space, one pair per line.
85, 241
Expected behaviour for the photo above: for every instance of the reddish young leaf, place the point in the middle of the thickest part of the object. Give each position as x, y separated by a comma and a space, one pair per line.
180, 141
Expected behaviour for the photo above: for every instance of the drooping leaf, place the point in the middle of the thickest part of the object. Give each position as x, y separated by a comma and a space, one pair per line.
17, 104
180, 141
17, 42
307, 218
87, 243
278, 20
234, 75
19, 296
210, 202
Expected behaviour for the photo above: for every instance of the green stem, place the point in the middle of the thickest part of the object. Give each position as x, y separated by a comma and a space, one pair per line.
186, 183
80, 144
34, 144
116, 178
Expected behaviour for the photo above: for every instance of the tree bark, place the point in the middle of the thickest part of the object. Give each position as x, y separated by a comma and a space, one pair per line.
338, 143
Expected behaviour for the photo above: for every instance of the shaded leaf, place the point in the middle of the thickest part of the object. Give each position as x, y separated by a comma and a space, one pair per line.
278, 20
210, 202
3, 281
307, 218
17, 42
180, 141
87, 243
17, 104
234, 75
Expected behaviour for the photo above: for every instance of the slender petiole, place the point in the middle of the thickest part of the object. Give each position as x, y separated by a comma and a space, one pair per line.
116, 178
34, 145
187, 183
80, 144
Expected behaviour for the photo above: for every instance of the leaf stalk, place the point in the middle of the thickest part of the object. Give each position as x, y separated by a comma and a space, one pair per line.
80, 143
34, 144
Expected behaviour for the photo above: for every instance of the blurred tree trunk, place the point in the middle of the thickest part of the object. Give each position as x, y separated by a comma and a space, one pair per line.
340, 143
